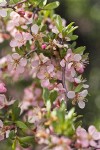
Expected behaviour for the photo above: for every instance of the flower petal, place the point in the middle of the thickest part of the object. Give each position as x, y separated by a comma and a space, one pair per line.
1, 124
4, 3
81, 104
77, 57
16, 56
3, 13
71, 94
23, 62
35, 28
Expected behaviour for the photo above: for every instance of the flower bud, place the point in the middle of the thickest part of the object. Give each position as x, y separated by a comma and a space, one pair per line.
21, 13
44, 46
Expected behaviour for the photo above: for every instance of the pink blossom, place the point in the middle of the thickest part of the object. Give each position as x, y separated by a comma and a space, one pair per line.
85, 139
3, 12
28, 17
16, 63
4, 102
16, 20
80, 67
1, 134
20, 39
32, 97
61, 143
2, 88
46, 73
35, 29
71, 94
73, 63
80, 97
4, 133
82, 137
19, 20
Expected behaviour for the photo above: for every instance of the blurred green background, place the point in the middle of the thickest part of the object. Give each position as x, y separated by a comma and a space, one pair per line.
86, 15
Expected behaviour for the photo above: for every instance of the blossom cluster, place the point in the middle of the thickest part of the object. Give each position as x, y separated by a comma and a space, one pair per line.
42, 52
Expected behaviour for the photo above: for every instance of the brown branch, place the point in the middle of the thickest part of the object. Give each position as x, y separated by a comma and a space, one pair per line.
64, 83
13, 6
63, 79
32, 51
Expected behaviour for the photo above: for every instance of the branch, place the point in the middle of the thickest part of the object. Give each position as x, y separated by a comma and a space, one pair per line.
63, 79
64, 82
32, 51
13, 6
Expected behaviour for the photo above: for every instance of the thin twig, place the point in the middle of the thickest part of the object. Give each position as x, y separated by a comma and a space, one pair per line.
13, 6
32, 51
64, 83
63, 79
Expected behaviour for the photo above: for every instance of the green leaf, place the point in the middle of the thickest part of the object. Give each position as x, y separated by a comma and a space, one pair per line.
73, 37
70, 113
79, 50
53, 96
12, 135
78, 123
52, 5
69, 29
59, 23
78, 88
43, 3
14, 145
24, 145
63, 53
69, 26
46, 94
48, 105
21, 125
46, 97
72, 29
27, 139
15, 111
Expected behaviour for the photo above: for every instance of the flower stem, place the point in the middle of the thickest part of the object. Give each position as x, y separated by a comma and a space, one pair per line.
64, 83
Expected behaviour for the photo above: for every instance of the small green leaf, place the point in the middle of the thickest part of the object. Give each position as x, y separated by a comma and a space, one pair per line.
73, 37
43, 3
63, 53
69, 26
48, 105
27, 139
14, 145
78, 88
52, 5
79, 50
21, 125
46, 94
15, 111
72, 29
12, 134
71, 112
53, 96
78, 123
46, 97
59, 23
